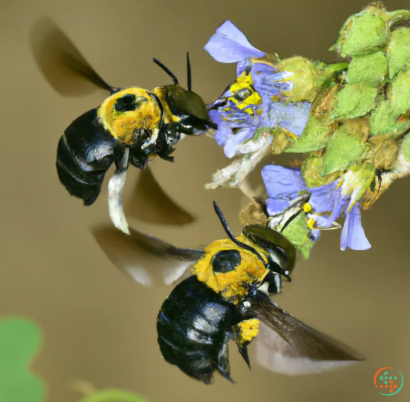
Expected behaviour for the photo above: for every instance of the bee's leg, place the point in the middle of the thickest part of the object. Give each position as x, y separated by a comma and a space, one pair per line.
152, 140
243, 334
115, 187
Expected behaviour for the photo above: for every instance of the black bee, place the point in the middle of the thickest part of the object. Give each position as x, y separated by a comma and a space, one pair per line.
227, 298
132, 126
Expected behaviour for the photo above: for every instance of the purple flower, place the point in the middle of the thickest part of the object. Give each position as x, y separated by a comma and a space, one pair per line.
292, 116
230, 45
327, 203
265, 79
234, 127
256, 99
282, 185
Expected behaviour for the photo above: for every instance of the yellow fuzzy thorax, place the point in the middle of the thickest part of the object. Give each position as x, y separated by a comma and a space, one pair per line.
233, 286
245, 331
124, 125
245, 81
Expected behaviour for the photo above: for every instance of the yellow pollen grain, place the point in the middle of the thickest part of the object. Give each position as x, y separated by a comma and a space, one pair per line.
310, 223
307, 207
247, 330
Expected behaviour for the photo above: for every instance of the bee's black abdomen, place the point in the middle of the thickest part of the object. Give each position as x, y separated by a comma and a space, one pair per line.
85, 152
79, 183
193, 327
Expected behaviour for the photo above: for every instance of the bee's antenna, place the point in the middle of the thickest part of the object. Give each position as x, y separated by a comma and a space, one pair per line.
230, 234
175, 79
188, 67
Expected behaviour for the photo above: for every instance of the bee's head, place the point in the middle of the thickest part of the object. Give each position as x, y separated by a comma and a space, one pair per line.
186, 104
235, 265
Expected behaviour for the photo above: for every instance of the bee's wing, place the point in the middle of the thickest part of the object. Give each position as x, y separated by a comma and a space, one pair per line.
150, 203
145, 258
288, 346
63, 66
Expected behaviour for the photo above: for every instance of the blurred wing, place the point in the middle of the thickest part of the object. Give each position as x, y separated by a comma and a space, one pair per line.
145, 258
288, 346
149, 203
63, 66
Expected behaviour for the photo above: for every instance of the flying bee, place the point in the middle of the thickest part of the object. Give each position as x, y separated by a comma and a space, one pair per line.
132, 126
226, 298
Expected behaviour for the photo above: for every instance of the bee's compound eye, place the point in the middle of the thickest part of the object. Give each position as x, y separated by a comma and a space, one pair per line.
242, 94
129, 102
226, 261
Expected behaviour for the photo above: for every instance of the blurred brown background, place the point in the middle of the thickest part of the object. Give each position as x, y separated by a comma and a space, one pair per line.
100, 327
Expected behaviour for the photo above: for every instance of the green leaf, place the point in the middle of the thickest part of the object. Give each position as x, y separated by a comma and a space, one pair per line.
343, 150
311, 168
359, 179
383, 120
314, 137
354, 100
305, 79
113, 395
401, 93
405, 146
297, 232
364, 33
368, 69
20, 341
398, 52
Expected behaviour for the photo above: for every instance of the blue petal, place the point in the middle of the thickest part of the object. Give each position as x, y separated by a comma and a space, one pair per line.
243, 65
275, 206
322, 198
339, 206
286, 86
353, 235
264, 80
316, 234
236, 139
281, 182
297, 115
321, 221
223, 131
230, 45
291, 116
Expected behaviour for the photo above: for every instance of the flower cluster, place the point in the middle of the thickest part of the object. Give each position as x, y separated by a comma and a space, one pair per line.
326, 203
350, 121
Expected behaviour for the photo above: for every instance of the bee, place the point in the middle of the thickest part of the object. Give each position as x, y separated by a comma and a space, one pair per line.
226, 297
132, 126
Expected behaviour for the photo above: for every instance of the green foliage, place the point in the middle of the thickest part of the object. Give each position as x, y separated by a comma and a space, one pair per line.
362, 33
405, 146
315, 136
354, 100
298, 234
311, 172
343, 150
369, 69
398, 51
359, 179
309, 77
401, 93
384, 121
20, 341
